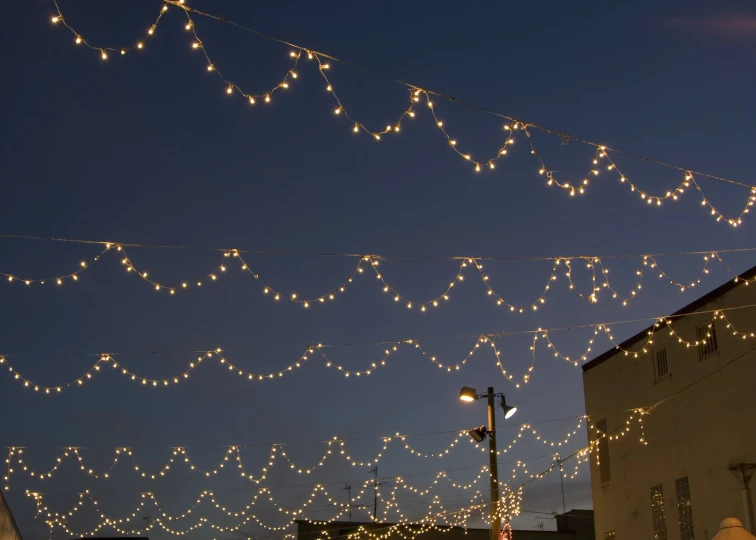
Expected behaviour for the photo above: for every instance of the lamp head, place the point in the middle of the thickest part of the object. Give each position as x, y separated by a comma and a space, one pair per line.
468, 394
478, 434
509, 410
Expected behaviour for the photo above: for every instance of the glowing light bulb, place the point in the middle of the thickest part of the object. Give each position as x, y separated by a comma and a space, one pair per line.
140, 45
195, 45
267, 98
56, 19
103, 55
78, 40
251, 100
210, 67
230, 89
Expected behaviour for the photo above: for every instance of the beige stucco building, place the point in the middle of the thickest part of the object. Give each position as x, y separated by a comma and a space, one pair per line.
678, 485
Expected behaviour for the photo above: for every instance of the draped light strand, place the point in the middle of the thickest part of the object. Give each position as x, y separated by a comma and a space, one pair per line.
15, 457
509, 505
106, 359
394, 127
599, 277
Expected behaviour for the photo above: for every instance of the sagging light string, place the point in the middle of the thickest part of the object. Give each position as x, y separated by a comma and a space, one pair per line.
509, 495
107, 359
295, 514
15, 456
509, 505
598, 271
416, 92
505, 506
209, 495
60, 519
507, 510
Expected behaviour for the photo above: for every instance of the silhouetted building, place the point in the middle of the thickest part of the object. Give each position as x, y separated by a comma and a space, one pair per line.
578, 522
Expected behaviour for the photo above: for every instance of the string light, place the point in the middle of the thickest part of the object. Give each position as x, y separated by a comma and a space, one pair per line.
106, 359
598, 272
602, 153
180, 454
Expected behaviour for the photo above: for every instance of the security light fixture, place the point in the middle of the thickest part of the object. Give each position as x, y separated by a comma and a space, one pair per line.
478, 434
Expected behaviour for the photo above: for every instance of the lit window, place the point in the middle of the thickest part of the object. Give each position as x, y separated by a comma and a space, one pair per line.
658, 517
684, 508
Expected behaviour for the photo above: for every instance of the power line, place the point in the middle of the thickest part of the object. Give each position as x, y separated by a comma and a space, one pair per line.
385, 257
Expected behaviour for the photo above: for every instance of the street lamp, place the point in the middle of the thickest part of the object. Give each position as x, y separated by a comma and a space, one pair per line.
469, 394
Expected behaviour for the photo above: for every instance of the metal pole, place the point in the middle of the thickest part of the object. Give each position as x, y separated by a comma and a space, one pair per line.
561, 479
493, 467
375, 494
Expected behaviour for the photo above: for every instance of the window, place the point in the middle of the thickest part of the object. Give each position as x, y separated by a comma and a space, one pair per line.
605, 471
661, 367
658, 518
684, 508
707, 341
610, 535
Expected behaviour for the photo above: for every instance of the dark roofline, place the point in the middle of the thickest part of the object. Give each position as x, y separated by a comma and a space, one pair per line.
4, 502
705, 299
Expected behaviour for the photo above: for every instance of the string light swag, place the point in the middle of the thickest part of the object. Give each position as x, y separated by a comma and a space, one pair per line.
15, 457
400, 482
594, 265
61, 519
106, 359
602, 160
509, 506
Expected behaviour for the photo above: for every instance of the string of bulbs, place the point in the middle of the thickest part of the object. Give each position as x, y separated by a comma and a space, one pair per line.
16, 455
61, 519
217, 355
509, 505
596, 269
602, 158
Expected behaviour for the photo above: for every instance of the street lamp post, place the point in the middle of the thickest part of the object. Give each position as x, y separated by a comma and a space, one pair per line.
469, 394
493, 468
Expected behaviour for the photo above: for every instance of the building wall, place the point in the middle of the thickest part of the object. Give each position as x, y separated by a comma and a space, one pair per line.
708, 426
8, 530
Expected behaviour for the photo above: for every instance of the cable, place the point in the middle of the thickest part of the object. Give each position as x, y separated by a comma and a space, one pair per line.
397, 258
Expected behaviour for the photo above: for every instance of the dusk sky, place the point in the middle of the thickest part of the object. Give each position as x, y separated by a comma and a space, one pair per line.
149, 148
